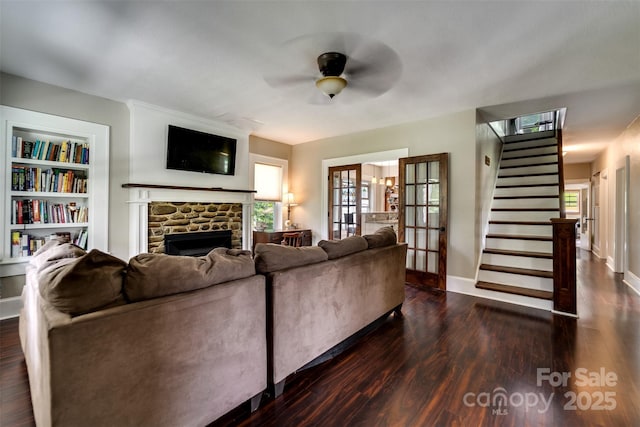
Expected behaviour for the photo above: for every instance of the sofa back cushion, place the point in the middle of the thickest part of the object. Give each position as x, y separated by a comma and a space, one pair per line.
156, 275
339, 248
270, 257
384, 236
79, 285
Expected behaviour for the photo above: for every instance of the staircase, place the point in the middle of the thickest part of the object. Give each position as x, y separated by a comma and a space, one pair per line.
517, 258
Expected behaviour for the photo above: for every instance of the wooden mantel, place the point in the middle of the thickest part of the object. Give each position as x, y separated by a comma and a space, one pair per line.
179, 187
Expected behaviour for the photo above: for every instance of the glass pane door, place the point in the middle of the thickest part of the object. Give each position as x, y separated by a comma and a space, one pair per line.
345, 195
423, 218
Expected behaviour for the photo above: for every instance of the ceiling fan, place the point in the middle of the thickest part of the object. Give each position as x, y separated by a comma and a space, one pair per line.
354, 66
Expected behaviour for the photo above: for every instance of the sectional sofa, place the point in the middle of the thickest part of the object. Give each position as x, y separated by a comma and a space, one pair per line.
169, 340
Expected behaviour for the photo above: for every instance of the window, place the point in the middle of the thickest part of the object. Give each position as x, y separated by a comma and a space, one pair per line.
269, 181
571, 201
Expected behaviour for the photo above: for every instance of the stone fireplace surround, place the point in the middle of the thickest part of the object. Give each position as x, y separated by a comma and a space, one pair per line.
215, 209
167, 218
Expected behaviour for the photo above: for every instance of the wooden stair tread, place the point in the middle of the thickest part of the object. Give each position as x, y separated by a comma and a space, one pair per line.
533, 138
525, 185
511, 150
520, 222
530, 156
520, 237
528, 254
516, 270
515, 290
524, 209
528, 197
529, 174
530, 165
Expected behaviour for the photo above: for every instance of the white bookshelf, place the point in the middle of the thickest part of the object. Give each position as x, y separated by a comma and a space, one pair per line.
94, 195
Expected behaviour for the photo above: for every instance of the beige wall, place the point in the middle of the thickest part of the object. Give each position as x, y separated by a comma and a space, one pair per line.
454, 134
577, 172
31, 95
487, 144
627, 144
267, 147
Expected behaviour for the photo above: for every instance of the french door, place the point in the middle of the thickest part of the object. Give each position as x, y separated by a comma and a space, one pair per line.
344, 201
422, 221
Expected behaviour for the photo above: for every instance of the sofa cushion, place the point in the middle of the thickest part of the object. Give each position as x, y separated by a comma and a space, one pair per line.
80, 285
384, 236
270, 257
339, 248
156, 275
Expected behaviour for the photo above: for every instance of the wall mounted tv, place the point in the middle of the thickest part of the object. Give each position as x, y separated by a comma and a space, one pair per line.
191, 150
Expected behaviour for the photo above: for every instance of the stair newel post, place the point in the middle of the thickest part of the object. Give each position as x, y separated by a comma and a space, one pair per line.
564, 265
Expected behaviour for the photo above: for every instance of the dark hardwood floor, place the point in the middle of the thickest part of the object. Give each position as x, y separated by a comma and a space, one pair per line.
446, 363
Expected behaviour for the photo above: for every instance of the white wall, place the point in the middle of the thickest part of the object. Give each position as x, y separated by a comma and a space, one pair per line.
454, 133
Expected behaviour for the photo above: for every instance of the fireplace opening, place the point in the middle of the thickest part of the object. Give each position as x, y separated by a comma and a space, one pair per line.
196, 244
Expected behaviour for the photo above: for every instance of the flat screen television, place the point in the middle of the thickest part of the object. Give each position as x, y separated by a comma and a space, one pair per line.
192, 150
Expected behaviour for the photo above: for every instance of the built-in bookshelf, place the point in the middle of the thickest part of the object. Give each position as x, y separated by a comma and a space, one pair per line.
56, 182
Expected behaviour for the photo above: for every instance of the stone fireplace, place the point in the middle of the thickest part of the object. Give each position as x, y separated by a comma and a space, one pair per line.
169, 218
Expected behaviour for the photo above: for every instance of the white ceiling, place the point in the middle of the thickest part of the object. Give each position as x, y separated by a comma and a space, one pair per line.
210, 59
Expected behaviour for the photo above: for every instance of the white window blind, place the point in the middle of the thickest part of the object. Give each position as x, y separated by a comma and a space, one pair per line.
267, 181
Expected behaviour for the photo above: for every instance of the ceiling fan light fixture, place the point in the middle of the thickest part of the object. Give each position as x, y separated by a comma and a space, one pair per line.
331, 85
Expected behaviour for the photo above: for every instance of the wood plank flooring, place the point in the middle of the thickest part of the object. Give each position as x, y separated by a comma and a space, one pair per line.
438, 365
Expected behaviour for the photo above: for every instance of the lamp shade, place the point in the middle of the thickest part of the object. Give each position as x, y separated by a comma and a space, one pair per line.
331, 85
289, 199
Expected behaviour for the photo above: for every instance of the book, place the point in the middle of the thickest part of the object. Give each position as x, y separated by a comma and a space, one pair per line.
16, 245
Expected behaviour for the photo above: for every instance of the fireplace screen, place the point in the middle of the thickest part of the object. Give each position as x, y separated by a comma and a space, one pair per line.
196, 244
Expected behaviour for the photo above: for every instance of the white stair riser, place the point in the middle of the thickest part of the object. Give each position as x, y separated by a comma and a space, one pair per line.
530, 143
529, 282
520, 229
551, 190
518, 261
528, 170
529, 160
524, 180
526, 203
520, 245
553, 149
524, 216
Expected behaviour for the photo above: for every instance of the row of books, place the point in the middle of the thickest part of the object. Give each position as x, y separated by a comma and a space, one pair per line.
28, 178
46, 212
65, 151
23, 244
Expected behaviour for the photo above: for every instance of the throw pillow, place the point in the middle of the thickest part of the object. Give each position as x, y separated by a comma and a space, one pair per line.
81, 285
384, 236
270, 257
53, 252
156, 275
339, 248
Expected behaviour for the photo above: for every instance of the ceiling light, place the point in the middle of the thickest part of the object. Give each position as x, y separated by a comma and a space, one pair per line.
331, 85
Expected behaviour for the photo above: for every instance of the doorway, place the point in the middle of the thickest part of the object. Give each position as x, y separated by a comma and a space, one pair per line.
345, 199
423, 218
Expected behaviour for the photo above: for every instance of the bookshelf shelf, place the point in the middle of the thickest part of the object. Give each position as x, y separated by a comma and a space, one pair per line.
50, 164
61, 225
46, 152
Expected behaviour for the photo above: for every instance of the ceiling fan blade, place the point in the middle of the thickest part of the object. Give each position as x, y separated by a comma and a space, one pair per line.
288, 80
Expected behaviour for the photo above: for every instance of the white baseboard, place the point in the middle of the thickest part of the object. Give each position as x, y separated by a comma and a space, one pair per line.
10, 307
610, 264
462, 285
632, 281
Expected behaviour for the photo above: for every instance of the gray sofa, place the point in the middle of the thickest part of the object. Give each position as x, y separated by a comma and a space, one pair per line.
320, 296
180, 342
